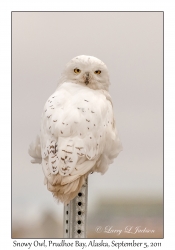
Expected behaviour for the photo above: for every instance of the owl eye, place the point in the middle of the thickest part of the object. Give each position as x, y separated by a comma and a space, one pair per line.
98, 72
77, 71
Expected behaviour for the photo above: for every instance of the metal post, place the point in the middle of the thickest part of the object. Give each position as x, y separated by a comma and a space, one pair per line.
75, 215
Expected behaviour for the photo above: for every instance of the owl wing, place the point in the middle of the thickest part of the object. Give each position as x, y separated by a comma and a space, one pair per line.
78, 136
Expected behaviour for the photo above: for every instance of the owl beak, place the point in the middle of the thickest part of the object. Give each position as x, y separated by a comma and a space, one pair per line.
86, 76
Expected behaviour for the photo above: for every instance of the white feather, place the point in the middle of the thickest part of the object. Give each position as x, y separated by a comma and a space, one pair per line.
35, 151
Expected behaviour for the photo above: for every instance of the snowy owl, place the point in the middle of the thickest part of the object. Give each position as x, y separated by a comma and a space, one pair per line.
78, 134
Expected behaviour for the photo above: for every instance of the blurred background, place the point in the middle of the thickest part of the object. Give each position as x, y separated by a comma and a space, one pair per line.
130, 193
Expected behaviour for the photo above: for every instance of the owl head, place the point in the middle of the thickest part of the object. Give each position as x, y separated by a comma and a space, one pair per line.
88, 71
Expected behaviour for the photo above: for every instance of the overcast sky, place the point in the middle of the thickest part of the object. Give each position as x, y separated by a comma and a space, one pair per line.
131, 45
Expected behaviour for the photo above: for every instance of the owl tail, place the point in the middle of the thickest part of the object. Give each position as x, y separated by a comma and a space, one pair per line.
66, 188
35, 151
69, 191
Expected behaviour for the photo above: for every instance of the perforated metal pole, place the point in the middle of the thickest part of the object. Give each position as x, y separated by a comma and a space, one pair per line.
75, 215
